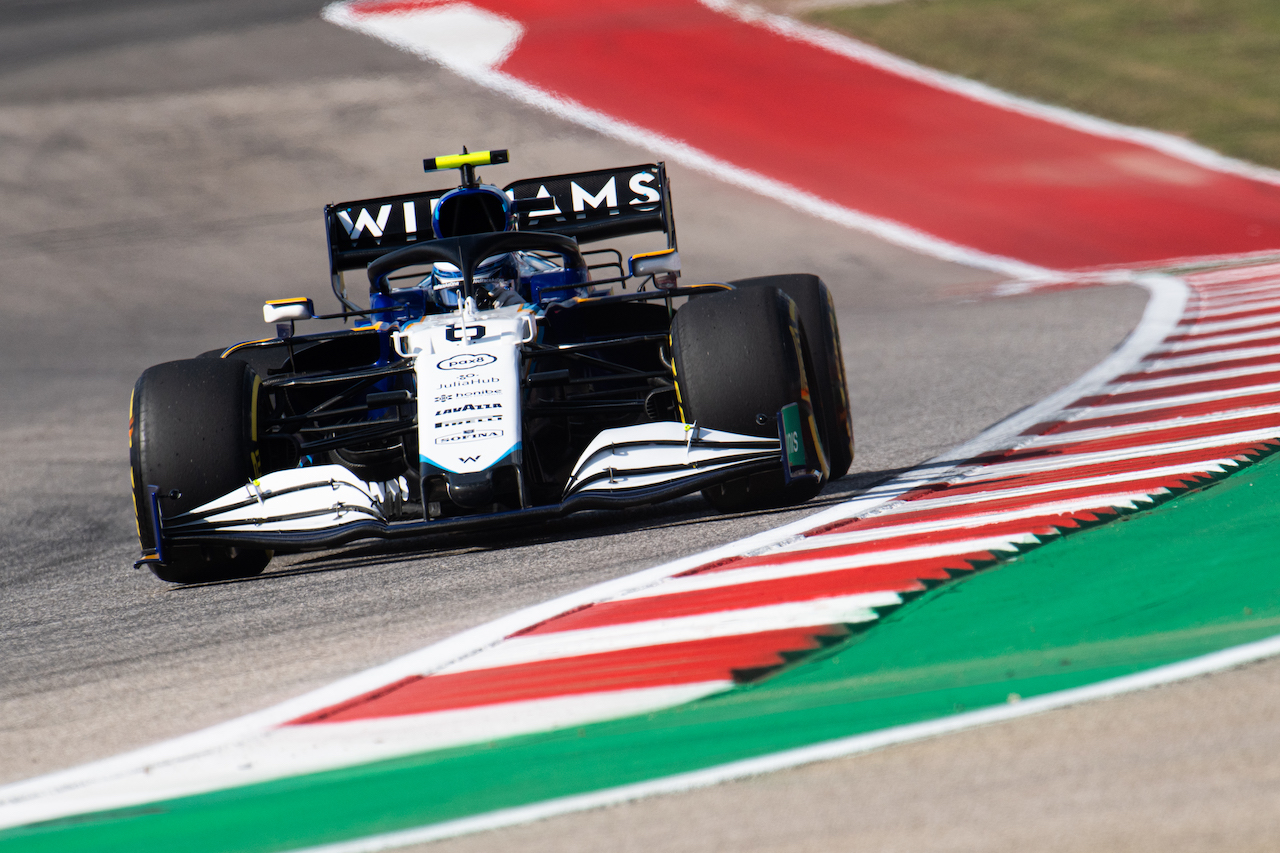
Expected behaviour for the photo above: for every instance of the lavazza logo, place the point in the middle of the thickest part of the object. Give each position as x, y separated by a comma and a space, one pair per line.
469, 407
466, 361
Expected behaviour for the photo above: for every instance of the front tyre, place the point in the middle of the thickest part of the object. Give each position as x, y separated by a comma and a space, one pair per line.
193, 430
828, 384
738, 360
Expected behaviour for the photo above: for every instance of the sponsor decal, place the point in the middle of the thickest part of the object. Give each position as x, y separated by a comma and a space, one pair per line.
384, 222
469, 407
481, 392
645, 194
454, 334
591, 195
466, 361
608, 196
792, 440
364, 220
463, 383
554, 210
469, 435
396, 219
461, 421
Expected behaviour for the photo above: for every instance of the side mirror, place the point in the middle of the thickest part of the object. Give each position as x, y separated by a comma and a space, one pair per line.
285, 310
664, 262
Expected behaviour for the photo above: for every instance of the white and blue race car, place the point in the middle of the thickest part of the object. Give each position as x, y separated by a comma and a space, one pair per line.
501, 374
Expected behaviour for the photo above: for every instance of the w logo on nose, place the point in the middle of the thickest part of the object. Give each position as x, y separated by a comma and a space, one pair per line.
468, 458
364, 220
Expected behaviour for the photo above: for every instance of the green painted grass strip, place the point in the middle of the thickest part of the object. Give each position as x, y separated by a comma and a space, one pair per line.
1193, 576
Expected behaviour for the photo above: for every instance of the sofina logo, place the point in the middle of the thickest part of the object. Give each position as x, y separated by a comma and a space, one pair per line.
466, 361
469, 435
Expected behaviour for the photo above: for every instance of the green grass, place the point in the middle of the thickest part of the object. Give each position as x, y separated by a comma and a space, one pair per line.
1208, 70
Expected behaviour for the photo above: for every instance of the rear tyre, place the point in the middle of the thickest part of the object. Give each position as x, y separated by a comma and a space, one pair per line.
738, 359
192, 431
827, 381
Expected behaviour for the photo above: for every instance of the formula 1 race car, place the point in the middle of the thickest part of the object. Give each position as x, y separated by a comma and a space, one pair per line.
501, 374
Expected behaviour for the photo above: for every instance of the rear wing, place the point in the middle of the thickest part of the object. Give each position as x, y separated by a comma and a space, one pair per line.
360, 232
587, 206
597, 205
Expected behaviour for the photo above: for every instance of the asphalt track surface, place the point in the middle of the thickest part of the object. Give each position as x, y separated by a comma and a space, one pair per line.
163, 168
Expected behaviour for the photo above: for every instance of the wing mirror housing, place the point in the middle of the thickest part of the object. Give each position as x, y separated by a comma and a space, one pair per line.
288, 310
663, 265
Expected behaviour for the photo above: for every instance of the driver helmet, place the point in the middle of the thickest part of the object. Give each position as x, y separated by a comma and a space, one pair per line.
475, 210
496, 276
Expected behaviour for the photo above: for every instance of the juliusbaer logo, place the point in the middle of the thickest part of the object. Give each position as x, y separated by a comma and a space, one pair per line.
466, 361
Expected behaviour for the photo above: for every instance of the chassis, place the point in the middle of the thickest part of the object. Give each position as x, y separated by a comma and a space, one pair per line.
582, 393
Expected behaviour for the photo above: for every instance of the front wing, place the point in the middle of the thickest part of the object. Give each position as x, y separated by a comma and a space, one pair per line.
327, 505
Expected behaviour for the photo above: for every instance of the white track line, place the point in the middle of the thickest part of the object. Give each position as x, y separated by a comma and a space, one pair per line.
730, 577
1075, 460
887, 518
1235, 277
1199, 443
1195, 338
1252, 288
1204, 329
1179, 401
1177, 362
1224, 341
824, 541
1131, 385
561, 645
996, 493
1219, 302
1104, 432
1209, 310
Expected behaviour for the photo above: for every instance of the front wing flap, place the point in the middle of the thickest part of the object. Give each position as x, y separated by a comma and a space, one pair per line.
621, 460
327, 505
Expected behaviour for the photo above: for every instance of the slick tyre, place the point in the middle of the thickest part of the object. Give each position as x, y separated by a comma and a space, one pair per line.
738, 360
192, 431
827, 381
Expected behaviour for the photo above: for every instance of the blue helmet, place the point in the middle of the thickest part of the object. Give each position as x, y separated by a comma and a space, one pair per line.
472, 210
475, 209
498, 276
